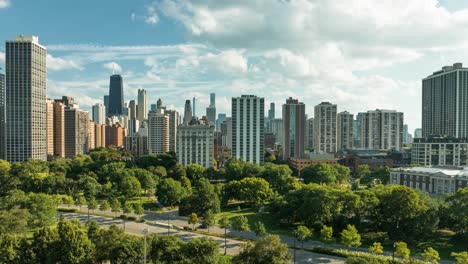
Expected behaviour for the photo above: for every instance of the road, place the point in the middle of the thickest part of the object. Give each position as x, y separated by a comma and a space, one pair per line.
233, 246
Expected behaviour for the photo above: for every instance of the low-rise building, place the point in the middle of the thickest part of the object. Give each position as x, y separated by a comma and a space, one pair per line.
441, 151
433, 180
372, 158
310, 159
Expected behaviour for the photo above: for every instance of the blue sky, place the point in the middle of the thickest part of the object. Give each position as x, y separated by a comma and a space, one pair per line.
361, 54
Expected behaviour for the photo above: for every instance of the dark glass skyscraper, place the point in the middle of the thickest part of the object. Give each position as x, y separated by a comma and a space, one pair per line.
116, 96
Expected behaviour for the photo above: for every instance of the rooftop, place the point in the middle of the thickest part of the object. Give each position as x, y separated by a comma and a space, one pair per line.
446, 170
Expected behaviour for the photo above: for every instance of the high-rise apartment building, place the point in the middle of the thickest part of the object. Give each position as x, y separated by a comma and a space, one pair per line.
248, 117
50, 127
158, 132
99, 114
226, 133
381, 129
142, 110
220, 120
25, 104
293, 128
357, 131
115, 134
187, 112
76, 132
59, 129
100, 136
91, 135
174, 122
325, 127
195, 144
344, 139
445, 102
309, 134
2, 116
116, 95
271, 111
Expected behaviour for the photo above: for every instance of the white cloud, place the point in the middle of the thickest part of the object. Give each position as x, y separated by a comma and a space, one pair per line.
2, 56
4, 3
151, 16
59, 64
113, 66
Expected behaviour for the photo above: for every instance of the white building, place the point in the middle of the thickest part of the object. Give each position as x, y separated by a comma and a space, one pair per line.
25, 93
325, 127
381, 129
158, 132
195, 144
142, 110
433, 180
344, 139
248, 117
99, 114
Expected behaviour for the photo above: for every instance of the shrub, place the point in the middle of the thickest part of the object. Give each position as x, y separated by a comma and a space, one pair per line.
68, 210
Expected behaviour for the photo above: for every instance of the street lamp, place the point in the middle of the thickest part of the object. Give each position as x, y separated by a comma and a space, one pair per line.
168, 223
393, 253
144, 231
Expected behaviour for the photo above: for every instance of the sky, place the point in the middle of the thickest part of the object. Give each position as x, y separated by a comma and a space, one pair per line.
361, 54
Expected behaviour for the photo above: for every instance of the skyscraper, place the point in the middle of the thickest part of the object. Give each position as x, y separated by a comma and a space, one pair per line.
158, 132
76, 132
381, 129
248, 117
59, 128
293, 128
26, 113
193, 105
159, 103
309, 136
344, 128
142, 111
445, 103
195, 144
2, 116
132, 110
99, 114
211, 110
220, 120
50, 127
187, 112
325, 127
271, 111
106, 104
116, 96
418, 133
174, 122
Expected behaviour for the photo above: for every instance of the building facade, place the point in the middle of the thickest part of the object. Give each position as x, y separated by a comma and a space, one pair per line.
2, 116
293, 128
99, 114
211, 110
76, 132
25, 100
142, 110
381, 130
114, 135
433, 180
248, 117
325, 127
188, 112
158, 132
440, 152
50, 128
116, 95
174, 122
344, 139
100, 136
309, 134
195, 144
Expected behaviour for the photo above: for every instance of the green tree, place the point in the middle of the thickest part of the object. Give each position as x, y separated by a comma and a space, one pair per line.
255, 191
195, 172
259, 229
457, 210
75, 247
431, 255
363, 171
350, 236
127, 208
9, 248
165, 249
320, 173
170, 192
68, 200
193, 220
277, 176
104, 206
138, 207
376, 248
42, 209
147, 180
80, 201
402, 250
208, 219
13, 221
203, 198
130, 187
200, 250
342, 173
241, 223
268, 249
460, 257
382, 174
92, 204
302, 233
115, 206
45, 246
326, 233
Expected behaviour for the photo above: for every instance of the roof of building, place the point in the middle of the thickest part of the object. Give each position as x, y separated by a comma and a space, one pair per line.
451, 171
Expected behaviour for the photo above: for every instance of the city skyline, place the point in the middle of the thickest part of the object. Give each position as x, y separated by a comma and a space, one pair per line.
177, 59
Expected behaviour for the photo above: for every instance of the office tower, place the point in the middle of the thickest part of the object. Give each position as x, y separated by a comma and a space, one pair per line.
59, 129
357, 131
132, 110
444, 102
381, 129
100, 136
406, 135
276, 127
187, 112
158, 132
106, 104
2, 116
220, 120
116, 96
91, 135
248, 116
226, 133
309, 135
174, 122
115, 134
50, 127
418, 133
195, 144
159, 103
211, 110
271, 111
142, 111
99, 114
325, 127
76, 132
344, 139
193, 105
293, 128
25, 105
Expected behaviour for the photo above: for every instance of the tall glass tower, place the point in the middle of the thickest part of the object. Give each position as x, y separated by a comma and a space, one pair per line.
116, 96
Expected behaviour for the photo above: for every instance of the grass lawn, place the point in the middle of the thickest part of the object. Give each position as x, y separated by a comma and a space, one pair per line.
272, 226
147, 202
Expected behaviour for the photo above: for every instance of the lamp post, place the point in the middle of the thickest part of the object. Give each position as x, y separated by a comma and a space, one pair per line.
144, 231
168, 223
393, 253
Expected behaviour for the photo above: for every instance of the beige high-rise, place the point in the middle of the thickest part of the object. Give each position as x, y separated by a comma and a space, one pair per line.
92, 135
142, 111
158, 132
50, 128
325, 127
76, 132
100, 133
59, 129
